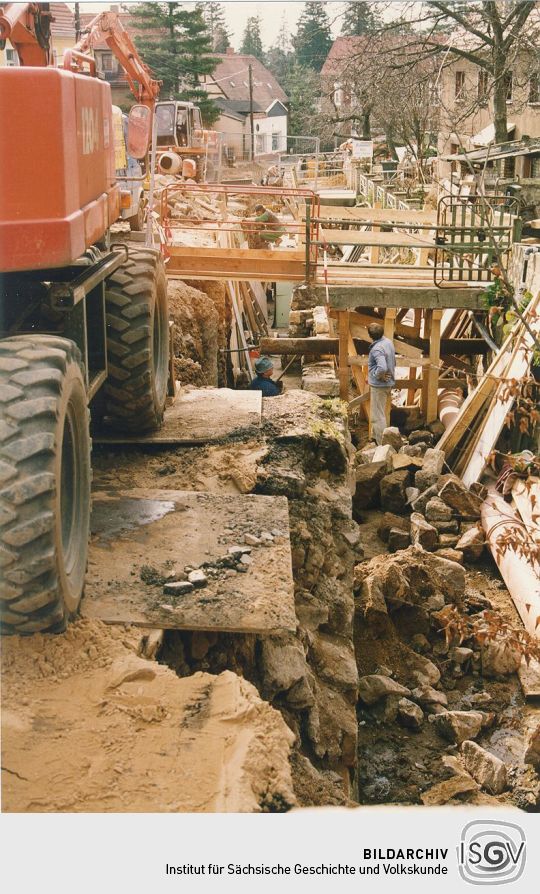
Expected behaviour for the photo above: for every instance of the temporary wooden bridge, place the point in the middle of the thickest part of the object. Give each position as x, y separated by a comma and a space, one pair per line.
410, 268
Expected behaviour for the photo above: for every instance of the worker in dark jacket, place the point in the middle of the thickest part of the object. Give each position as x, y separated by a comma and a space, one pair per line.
263, 380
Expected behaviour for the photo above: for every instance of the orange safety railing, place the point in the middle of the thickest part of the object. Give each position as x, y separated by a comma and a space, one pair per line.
299, 203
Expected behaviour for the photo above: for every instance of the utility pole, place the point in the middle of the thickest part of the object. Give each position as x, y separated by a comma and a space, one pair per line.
250, 70
77, 23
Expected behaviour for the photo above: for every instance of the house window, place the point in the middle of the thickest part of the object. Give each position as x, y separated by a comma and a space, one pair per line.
482, 83
12, 57
106, 62
460, 84
534, 89
338, 95
508, 80
509, 167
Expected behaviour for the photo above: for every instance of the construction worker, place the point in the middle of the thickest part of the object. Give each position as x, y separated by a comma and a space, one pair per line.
381, 372
271, 229
263, 380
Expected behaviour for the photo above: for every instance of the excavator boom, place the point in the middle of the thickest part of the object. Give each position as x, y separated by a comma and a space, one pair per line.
107, 27
27, 26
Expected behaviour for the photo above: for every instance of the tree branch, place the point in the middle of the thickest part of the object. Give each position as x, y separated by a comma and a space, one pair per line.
448, 12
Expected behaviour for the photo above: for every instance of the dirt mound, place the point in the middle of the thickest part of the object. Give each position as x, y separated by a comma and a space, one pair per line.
216, 291
88, 725
195, 334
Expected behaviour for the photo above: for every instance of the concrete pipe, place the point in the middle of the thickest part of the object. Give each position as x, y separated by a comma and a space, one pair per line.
169, 163
450, 401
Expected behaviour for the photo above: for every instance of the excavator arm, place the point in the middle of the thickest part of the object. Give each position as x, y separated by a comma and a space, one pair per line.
107, 27
27, 26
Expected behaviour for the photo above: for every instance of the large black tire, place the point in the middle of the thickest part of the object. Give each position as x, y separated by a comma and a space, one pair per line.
45, 479
137, 343
137, 221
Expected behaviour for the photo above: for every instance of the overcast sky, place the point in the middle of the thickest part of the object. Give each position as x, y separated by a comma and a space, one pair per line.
270, 11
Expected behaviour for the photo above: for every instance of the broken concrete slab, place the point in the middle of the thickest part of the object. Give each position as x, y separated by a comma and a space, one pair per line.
320, 378
198, 416
187, 528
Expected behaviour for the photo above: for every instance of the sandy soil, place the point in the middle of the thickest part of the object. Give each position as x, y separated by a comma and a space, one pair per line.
90, 725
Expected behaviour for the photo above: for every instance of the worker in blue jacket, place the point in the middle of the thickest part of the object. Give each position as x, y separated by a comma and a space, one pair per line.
263, 380
381, 378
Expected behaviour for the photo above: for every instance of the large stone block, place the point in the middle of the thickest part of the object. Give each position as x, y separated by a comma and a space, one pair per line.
431, 470
368, 479
488, 770
422, 533
393, 491
456, 495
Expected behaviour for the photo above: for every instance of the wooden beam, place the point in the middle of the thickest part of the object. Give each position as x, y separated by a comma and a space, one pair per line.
343, 329
389, 296
432, 372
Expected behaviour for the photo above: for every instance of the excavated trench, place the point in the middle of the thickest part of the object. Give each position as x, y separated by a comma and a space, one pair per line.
361, 612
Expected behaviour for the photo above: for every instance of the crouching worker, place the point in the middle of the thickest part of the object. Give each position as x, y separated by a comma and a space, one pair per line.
263, 380
381, 370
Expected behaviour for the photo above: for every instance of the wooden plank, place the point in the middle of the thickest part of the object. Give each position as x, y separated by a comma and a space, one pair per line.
501, 404
188, 251
382, 215
170, 528
389, 296
359, 378
377, 239
403, 362
343, 366
432, 372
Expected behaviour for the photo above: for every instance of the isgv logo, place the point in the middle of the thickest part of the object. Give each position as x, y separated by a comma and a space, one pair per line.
491, 852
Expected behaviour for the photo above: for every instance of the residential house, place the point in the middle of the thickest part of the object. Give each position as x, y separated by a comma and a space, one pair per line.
467, 115
229, 88
62, 35
341, 82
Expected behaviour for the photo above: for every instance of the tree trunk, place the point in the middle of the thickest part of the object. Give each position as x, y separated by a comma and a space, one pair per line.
390, 143
366, 124
500, 88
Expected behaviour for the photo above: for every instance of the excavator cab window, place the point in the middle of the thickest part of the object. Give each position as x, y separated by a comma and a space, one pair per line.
165, 123
182, 136
196, 126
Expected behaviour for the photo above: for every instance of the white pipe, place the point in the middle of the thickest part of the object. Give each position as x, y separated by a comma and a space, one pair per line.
505, 532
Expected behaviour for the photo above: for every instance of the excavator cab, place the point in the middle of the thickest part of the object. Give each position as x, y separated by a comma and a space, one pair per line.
179, 125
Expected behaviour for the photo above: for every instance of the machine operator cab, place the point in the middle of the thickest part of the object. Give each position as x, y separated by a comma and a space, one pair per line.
179, 124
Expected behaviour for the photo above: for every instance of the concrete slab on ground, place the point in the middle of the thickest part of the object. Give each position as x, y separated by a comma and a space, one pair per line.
151, 533
198, 416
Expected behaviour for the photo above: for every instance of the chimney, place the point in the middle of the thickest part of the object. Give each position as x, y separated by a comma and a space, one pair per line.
114, 8
230, 51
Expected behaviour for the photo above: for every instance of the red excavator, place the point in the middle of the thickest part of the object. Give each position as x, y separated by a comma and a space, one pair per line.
83, 323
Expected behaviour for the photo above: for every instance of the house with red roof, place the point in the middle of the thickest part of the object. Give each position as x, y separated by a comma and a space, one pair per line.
229, 88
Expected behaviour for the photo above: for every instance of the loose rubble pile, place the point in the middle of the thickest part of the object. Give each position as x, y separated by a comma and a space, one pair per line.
426, 676
423, 506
